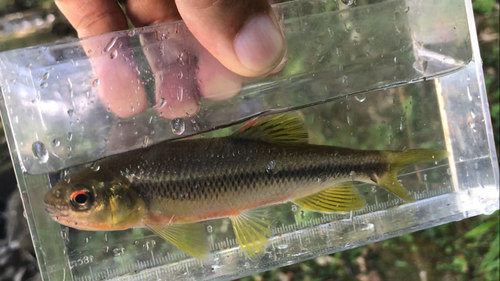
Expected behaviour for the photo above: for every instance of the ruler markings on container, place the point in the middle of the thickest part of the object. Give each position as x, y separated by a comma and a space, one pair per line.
284, 234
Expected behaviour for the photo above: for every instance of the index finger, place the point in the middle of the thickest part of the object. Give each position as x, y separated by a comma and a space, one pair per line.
90, 17
118, 86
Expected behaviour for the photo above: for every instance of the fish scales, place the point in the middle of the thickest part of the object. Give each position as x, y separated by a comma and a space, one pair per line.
212, 176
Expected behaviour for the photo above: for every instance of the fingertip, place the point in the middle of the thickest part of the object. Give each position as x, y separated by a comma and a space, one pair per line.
175, 98
214, 80
119, 87
244, 35
259, 45
220, 87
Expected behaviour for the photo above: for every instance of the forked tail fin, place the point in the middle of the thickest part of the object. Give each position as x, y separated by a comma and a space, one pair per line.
399, 160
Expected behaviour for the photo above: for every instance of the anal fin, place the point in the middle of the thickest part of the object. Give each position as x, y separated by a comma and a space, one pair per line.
189, 237
252, 230
341, 198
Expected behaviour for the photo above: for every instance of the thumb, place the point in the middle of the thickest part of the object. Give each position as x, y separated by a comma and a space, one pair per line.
244, 35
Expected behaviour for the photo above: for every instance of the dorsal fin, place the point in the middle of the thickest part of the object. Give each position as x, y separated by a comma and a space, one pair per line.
282, 128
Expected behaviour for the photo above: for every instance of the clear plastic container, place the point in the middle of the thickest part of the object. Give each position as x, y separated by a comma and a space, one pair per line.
372, 75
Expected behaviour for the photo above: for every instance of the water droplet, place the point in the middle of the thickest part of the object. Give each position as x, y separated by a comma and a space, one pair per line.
448, 171
360, 98
110, 44
461, 159
270, 166
70, 113
70, 136
349, 2
44, 85
131, 32
468, 93
95, 167
180, 58
472, 126
472, 114
349, 120
282, 246
178, 126
302, 214
56, 142
95, 83
39, 151
180, 93
113, 54
145, 141
180, 75
160, 104
45, 76
345, 80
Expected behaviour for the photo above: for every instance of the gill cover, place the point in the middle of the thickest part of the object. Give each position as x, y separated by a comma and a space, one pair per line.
126, 207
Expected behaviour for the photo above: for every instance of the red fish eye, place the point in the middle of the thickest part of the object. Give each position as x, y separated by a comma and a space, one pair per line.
80, 197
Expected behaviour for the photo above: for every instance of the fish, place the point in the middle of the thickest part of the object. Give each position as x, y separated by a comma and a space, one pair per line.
172, 186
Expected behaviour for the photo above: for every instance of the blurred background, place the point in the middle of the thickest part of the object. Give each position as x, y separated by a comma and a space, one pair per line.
464, 250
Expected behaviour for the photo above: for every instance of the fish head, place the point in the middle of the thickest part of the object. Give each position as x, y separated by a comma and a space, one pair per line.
86, 203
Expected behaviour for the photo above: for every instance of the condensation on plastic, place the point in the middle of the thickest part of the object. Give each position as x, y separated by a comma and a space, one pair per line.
382, 75
53, 89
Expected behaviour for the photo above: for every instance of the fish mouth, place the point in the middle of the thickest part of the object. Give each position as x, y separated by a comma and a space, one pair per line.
53, 210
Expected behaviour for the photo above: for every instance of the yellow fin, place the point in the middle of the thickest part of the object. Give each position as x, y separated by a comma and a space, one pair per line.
399, 160
252, 230
189, 237
341, 198
282, 128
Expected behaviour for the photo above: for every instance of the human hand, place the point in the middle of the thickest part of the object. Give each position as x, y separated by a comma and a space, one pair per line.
239, 38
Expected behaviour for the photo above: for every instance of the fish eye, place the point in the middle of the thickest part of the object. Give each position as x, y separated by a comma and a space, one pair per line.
80, 198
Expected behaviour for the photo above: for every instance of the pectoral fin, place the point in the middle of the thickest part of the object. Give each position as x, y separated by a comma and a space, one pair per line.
341, 198
252, 230
190, 238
